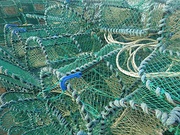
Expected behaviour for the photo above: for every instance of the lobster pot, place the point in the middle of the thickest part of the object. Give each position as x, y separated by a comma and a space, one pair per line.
58, 48
78, 61
122, 15
16, 36
131, 112
67, 17
50, 50
160, 72
132, 18
98, 82
90, 74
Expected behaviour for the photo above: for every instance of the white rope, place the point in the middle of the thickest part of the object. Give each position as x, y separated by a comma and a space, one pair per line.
135, 68
158, 113
144, 107
168, 96
132, 104
122, 103
164, 117
158, 91
116, 102
174, 116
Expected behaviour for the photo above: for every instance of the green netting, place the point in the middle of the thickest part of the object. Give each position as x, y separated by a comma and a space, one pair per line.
37, 116
78, 67
32, 6
129, 122
11, 84
16, 73
89, 10
9, 9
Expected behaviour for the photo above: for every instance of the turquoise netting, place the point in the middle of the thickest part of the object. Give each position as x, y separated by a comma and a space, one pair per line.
89, 67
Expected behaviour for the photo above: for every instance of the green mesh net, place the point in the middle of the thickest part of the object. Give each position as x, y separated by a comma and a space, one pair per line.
89, 67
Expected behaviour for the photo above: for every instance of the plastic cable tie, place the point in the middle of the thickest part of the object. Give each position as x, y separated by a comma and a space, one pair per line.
10, 25
64, 79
